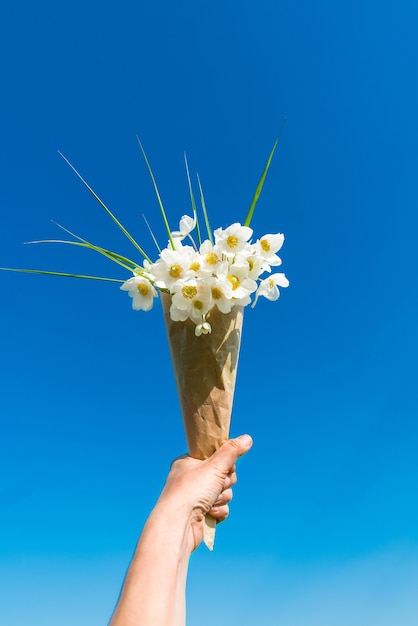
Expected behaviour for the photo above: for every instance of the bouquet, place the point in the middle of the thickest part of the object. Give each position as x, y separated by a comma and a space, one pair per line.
204, 284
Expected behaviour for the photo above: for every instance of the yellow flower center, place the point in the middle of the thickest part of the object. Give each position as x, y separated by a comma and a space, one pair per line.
251, 264
143, 289
212, 258
175, 271
216, 293
189, 292
232, 241
265, 245
271, 283
195, 266
234, 280
198, 305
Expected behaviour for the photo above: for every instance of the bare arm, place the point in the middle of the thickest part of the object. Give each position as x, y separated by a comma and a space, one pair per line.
153, 593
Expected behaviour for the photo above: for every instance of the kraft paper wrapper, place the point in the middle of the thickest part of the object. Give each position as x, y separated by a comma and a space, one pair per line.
205, 370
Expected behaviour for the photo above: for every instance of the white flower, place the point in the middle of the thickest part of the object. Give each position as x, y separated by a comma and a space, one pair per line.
222, 274
232, 239
221, 292
186, 225
211, 256
256, 263
203, 329
197, 265
242, 286
191, 299
172, 266
268, 287
267, 247
141, 291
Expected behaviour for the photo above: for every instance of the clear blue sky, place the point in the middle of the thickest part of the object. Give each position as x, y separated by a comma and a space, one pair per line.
324, 524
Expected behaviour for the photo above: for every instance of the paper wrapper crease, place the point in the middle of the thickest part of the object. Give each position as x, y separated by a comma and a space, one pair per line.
205, 371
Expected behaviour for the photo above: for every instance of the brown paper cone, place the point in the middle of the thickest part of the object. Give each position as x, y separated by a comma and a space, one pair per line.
205, 370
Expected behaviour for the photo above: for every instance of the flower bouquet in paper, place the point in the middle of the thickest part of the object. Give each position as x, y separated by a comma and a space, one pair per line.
204, 283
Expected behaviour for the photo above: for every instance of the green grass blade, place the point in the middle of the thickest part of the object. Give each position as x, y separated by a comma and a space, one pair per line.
110, 280
114, 255
151, 233
262, 179
107, 253
163, 213
192, 200
111, 255
205, 213
108, 211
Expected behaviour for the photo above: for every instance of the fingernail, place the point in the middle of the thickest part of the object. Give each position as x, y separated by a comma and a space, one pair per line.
246, 440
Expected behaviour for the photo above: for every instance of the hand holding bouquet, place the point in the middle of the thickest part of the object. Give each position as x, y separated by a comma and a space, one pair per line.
204, 284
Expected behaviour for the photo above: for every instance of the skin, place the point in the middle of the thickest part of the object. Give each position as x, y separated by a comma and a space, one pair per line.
153, 593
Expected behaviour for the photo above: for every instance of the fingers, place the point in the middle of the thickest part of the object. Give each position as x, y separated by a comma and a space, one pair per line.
220, 513
228, 454
231, 479
220, 508
224, 460
223, 498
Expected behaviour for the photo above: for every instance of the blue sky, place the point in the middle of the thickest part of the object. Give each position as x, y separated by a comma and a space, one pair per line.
323, 527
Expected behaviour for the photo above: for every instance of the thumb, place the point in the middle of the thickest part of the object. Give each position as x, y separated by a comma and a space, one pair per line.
227, 455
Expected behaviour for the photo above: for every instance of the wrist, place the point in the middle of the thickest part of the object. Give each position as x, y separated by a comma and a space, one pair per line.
168, 527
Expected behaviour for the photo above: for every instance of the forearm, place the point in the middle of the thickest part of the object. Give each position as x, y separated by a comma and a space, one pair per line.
153, 593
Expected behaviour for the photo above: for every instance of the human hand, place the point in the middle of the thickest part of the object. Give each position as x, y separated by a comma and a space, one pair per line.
202, 487
154, 589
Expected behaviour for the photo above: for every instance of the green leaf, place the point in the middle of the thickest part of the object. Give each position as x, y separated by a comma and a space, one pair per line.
108, 211
262, 179
192, 201
116, 258
151, 233
167, 227
205, 213
110, 280
113, 256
